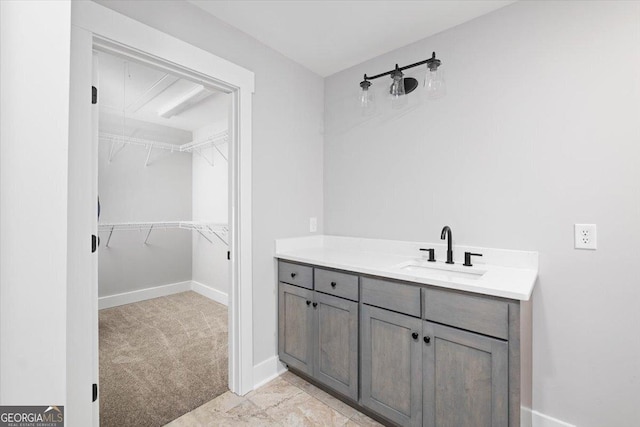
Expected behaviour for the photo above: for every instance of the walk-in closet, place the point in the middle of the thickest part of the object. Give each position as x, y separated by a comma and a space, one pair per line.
163, 274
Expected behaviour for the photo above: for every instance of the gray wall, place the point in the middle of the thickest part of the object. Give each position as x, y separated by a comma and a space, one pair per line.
287, 141
539, 130
210, 266
131, 192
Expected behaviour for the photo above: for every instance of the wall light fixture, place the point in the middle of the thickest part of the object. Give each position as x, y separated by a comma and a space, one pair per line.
400, 86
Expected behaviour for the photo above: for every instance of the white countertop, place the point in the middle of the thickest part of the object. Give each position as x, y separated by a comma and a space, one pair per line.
501, 273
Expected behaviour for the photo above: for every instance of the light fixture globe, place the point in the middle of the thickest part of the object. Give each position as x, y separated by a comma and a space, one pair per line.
397, 87
366, 98
434, 80
434, 84
397, 90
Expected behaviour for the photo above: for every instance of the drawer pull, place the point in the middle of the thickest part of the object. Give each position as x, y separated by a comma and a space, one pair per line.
315, 304
308, 302
414, 335
293, 275
333, 284
427, 339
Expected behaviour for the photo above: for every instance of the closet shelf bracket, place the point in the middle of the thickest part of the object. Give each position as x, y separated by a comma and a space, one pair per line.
220, 152
110, 234
146, 162
201, 154
204, 236
221, 234
148, 233
113, 152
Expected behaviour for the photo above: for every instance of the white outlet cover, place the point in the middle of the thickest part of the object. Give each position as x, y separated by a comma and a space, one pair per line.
313, 224
585, 236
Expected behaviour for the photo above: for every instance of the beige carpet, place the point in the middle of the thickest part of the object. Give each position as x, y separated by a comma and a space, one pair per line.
161, 358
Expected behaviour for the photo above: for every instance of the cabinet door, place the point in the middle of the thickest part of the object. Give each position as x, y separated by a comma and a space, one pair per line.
465, 378
391, 365
336, 344
295, 327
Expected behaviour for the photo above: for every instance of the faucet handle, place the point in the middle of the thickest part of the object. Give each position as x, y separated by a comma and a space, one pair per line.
432, 254
467, 258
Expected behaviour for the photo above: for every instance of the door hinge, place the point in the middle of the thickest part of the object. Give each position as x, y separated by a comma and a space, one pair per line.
94, 95
94, 243
228, 255
94, 392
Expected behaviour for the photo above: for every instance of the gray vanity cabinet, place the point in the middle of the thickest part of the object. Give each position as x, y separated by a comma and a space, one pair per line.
414, 355
465, 378
336, 344
391, 365
318, 332
295, 333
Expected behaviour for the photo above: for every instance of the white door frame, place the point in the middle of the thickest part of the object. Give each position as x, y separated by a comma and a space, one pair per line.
96, 26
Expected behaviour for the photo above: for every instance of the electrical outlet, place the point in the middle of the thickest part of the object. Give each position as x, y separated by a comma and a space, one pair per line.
313, 224
586, 236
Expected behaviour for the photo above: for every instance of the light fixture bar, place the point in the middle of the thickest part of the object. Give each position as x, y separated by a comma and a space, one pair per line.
433, 62
434, 84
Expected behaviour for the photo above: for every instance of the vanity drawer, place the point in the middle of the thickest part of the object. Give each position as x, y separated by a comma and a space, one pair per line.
339, 284
295, 274
473, 313
391, 295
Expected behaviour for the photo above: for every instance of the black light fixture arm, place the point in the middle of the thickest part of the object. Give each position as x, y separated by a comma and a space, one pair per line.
432, 62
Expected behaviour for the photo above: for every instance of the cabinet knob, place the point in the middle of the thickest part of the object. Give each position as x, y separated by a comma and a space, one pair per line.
333, 284
315, 304
293, 275
427, 339
308, 302
414, 335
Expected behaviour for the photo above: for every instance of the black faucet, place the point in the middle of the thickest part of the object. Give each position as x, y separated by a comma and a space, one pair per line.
446, 234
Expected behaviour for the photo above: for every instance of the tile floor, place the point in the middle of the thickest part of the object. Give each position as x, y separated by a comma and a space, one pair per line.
286, 401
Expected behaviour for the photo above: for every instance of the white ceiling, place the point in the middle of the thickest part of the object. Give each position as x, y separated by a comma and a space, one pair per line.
330, 36
133, 95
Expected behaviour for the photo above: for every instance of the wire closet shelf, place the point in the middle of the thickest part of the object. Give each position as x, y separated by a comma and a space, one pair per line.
208, 230
118, 142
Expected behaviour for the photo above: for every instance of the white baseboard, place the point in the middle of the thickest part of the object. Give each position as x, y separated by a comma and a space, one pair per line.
267, 370
214, 294
142, 294
161, 291
530, 418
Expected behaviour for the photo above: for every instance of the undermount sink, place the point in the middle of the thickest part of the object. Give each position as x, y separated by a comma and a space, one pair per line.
439, 270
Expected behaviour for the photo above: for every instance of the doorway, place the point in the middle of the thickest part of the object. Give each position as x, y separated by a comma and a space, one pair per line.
99, 29
163, 271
